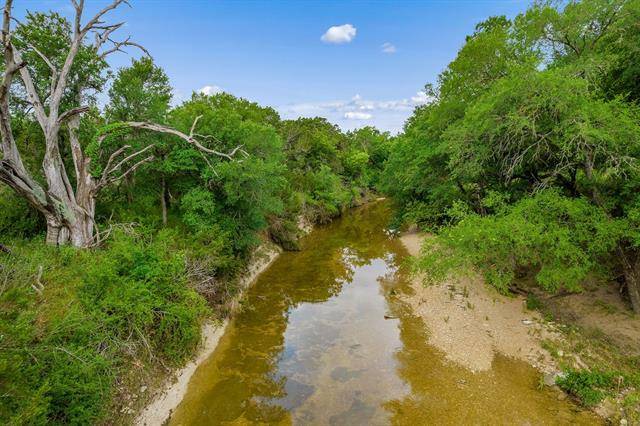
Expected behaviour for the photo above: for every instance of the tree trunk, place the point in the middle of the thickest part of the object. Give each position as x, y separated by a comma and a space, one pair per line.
81, 234
163, 201
631, 268
54, 228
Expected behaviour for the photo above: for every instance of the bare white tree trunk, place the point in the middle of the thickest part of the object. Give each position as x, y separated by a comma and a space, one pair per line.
69, 213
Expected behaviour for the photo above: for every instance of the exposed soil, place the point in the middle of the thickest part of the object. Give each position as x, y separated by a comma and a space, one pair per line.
600, 310
471, 322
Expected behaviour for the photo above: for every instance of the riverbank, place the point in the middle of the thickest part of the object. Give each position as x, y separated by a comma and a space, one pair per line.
167, 397
472, 324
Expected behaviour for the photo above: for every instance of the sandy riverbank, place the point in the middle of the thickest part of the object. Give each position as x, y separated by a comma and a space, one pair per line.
167, 399
471, 322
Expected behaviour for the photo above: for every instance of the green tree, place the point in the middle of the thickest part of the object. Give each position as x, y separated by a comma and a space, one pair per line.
141, 92
538, 106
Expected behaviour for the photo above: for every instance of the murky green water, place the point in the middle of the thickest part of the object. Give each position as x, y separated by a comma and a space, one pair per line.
324, 340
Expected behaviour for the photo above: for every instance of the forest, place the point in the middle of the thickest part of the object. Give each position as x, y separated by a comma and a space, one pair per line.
126, 224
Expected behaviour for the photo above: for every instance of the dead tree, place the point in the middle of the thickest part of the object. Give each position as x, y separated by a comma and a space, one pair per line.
69, 212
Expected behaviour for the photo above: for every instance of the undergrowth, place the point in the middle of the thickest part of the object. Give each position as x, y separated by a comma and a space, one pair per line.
73, 321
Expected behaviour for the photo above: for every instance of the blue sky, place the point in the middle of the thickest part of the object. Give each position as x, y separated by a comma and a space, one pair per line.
272, 52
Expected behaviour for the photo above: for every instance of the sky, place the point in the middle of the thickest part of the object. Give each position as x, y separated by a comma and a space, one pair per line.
357, 63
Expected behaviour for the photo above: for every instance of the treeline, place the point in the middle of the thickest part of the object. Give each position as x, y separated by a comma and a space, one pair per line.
165, 204
272, 173
525, 164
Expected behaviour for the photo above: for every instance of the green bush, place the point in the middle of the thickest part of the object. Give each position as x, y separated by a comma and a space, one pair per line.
17, 218
139, 288
561, 239
590, 387
328, 196
61, 352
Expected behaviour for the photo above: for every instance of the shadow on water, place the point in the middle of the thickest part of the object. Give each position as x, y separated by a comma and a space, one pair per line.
323, 339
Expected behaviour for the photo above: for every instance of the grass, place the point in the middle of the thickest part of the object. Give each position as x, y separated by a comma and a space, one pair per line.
591, 387
605, 307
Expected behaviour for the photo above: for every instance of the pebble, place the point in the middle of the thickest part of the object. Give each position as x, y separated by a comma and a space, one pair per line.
143, 388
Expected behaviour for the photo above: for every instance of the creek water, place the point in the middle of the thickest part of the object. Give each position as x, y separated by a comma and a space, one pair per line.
324, 339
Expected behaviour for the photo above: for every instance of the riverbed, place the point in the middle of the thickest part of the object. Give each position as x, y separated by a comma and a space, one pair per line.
324, 337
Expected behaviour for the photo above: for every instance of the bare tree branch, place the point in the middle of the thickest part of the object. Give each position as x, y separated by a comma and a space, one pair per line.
188, 138
117, 45
72, 112
112, 157
106, 179
129, 157
38, 286
102, 37
193, 126
130, 170
54, 70
96, 19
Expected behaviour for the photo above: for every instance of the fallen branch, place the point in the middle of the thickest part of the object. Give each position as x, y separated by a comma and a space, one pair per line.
38, 286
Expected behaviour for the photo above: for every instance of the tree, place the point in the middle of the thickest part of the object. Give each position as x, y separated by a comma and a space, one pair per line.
237, 197
363, 155
69, 211
142, 92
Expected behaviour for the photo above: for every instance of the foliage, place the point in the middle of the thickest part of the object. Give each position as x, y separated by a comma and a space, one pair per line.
18, 219
50, 33
328, 196
590, 387
139, 92
99, 311
526, 161
182, 227
560, 238
328, 168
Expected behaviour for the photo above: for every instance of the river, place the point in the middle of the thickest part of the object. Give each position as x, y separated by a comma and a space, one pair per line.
323, 338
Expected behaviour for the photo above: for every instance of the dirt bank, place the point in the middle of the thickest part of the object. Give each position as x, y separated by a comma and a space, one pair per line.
168, 397
471, 322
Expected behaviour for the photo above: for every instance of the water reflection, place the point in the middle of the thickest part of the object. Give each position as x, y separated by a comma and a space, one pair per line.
322, 340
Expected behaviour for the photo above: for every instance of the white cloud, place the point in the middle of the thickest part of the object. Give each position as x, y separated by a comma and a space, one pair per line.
339, 34
210, 90
388, 48
357, 112
354, 115
420, 98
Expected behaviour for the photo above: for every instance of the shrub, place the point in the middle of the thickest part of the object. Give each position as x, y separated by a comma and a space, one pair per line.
61, 352
139, 288
560, 239
590, 387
